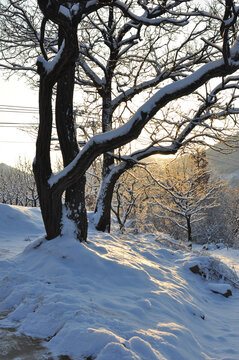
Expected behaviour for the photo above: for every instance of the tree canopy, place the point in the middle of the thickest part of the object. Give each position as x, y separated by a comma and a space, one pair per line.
174, 50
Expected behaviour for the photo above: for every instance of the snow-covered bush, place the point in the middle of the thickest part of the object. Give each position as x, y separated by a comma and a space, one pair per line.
212, 269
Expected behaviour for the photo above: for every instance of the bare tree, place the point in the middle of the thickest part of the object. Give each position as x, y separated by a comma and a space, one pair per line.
166, 130
127, 192
214, 118
206, 62
221, 224
187, 194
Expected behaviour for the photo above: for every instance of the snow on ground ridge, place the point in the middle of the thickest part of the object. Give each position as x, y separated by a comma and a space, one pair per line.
117, 298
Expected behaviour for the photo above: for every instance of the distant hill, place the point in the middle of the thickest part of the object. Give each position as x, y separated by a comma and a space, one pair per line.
6, 168
225, 161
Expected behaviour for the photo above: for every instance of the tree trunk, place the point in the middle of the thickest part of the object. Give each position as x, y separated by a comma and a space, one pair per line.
102, 216
103, 204
51, 206
108, 181
50, 198
75, 194
108, 160
76, 210
51, 209
188, 218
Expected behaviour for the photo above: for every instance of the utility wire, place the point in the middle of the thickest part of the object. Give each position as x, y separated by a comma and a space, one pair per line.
17, 142
19, 109
19, 112
9, 124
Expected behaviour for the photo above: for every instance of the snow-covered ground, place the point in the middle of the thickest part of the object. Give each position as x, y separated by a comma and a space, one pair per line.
123, 297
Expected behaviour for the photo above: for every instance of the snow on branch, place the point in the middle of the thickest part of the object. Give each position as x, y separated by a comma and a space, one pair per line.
90, 73
131, 130
144, 19
48, 66
130, 93
65, 11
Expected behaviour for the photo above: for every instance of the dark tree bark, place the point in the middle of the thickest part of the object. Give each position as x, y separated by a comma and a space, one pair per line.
50, 202
108, 160
189, 228
75, 194
103, 205
106, 92
49, 197
102, 218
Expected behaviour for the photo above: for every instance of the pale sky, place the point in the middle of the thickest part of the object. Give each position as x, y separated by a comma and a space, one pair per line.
15, 142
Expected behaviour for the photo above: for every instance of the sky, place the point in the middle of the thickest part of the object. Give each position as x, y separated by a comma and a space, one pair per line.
13, 141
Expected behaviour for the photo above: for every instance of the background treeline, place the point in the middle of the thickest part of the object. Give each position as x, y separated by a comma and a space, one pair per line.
180, 197
17, 185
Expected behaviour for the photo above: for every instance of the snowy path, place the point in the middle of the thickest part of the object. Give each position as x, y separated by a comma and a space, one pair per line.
20, 347
121, 298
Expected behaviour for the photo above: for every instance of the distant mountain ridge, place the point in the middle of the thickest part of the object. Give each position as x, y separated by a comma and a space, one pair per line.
6, 168
225, 161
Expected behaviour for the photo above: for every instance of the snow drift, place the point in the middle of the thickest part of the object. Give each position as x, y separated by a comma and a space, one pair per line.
118, 297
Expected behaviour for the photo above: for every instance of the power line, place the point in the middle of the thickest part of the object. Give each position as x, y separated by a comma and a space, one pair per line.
17, 142
9, 124
30, 110
18, 109
19, 112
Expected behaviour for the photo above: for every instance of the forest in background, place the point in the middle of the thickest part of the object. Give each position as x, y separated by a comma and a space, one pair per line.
185, 197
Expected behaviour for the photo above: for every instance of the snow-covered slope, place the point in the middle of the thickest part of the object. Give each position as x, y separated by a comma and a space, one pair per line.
116, 298
18, 225
225, 162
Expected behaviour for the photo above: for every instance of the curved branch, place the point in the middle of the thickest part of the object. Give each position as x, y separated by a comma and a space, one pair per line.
130, 131
144, 19
43, 26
